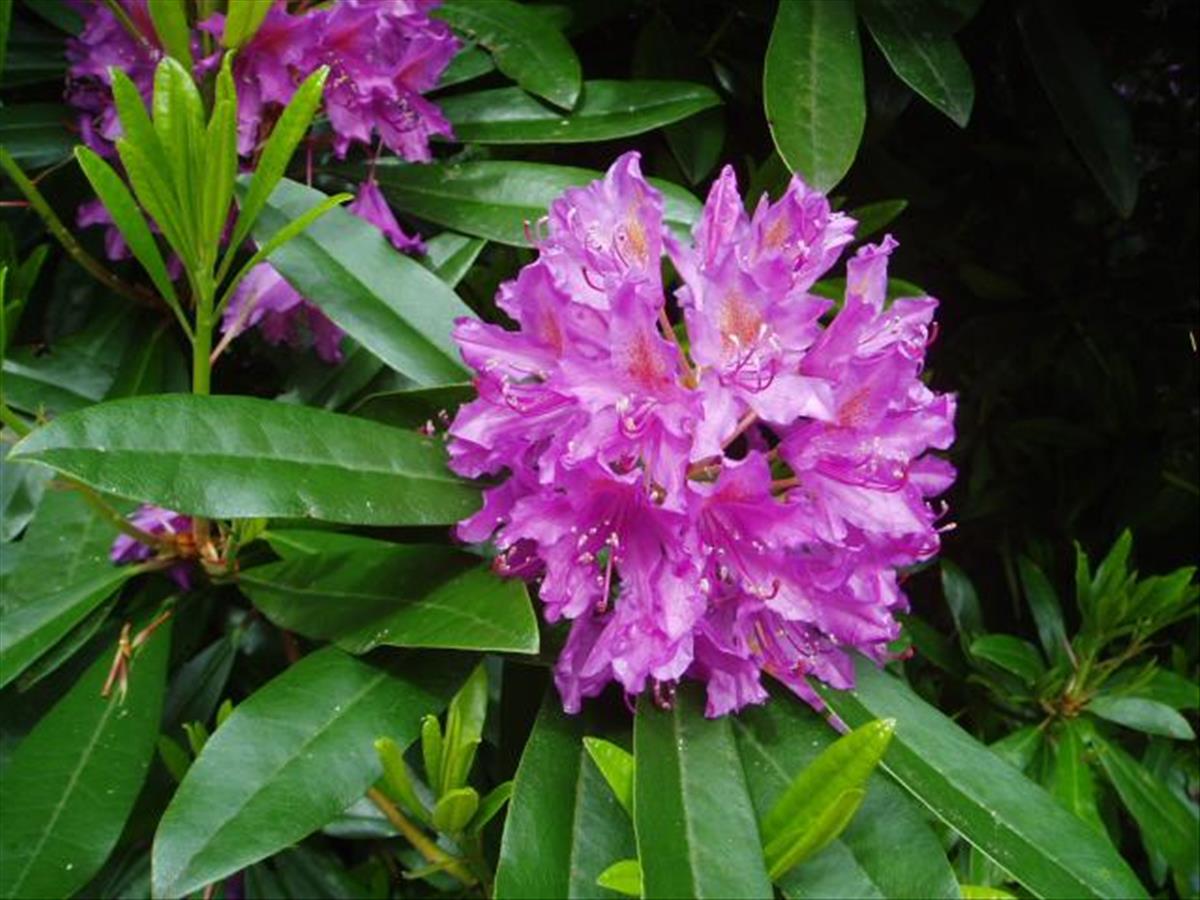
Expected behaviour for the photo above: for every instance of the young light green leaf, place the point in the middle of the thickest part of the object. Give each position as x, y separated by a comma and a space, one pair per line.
399, 778
179, 123
813, 89
1043, 603
245, 458
273, 161
490, 805
624, 876
455, 809
242, 21
695, 825
607, 110
170, 20
992, 805
431, 749
72, 782
1142, 714
1071, 780
464, 730
1011, 654
616, 765
925, 59
157, 197
221, 162
282, 766
524, 45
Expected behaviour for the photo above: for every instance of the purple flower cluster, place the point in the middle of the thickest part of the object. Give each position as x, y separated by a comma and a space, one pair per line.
715, 501
157, 522
383, 56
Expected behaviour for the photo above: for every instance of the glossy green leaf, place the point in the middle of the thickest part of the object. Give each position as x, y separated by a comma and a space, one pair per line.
962, 600
151, 364
607, 110
1011, 654
61, 575
1094, 117
468, 64
490, 805
455, 809
1166, 687
623, 876
157, 197
170, 19
431, 748
399, 778
564, 826
178, 118
289, 759
1142, 714
416, 408
813, 89
290, 543
450, 255
21, 490
1019, 748
781, 738
925, 59
524, 45
1016, 823
1166, 824
220, 161
873, 217
198, 685
389, 303
73, 781
1071, 780
398, 595
34, 133
1043, 603
242, 21
696, 829
616, 765
464, 729
499, 200
247, 457
273, 161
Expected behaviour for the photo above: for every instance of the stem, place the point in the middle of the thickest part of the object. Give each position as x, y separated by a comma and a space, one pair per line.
123, 525
433, 854
13, 421
201, 350
90, 264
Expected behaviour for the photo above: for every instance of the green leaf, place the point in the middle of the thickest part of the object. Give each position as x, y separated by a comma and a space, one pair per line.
822, 798
171, 25
607, 110
273, 161
1043, 603
396, 595
198, 684
779, 738
450, 255
291, 758
464, 730
431, 748
813, 89
1019, 748
1168, 687
128, 218
1092, 115
468, 64
962, 600
221, 162
927, 61
496, 200
696, 829
389, 303
178, 116
151, 364
623, 876
525, 47
1071, 780
873, 217
399, 778
247, 457
455, 809
73, 780
34, 133
242, 21
1145, 715
416, 408
564, 826
1016, 823
21, 489
1011, 654
490, 805
62, 574
616, 765
1166, 824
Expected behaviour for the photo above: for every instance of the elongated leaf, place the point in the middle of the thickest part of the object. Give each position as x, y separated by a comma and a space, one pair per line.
524, 45
390, 304
1094, 118
607, 110
1145, 715
450, 256
290, 759
128, 218
469, 63
21, 489
496, 200
171, 26
624, 876
564, 826
962, 600
1011, 654
695, 825
73, 781
873, 217
247, 458
1016, 823
178, 116
397, 595
813, 89
242, 21
1043, 603
61, 575
925, 59
616, 765
1071, 779
221, 161
781, 738
1167, 825
415, 408
34, 134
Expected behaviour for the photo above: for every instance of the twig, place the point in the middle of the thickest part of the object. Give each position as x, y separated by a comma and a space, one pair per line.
433, 854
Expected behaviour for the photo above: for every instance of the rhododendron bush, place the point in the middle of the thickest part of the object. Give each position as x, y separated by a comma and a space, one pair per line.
491, 448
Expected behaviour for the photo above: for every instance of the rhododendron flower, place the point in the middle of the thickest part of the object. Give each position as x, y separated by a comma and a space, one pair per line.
720, 506
157, 522
266, 300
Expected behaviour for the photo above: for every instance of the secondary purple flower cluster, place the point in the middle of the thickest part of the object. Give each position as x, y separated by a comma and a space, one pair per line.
156, 522
715, 501
383, 56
